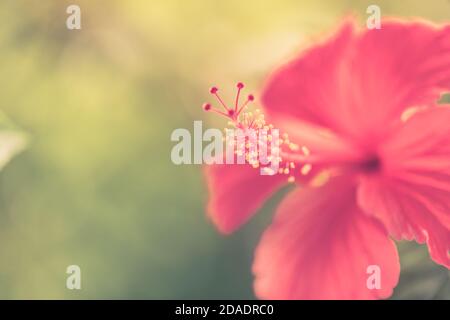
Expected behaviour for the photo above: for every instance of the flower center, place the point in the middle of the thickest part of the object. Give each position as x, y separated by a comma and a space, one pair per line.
371, 164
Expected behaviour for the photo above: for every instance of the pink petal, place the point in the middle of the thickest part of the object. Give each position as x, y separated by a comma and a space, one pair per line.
306, 87
359, 84
326, 147
412, 196
320, 246
236, 192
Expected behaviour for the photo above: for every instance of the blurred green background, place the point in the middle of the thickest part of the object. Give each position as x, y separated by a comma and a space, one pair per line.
96, 186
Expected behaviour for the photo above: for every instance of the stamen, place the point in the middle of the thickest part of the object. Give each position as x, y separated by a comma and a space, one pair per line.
305, 151
290, 155
240, 85
207, 107
214, 91
233, 114
306, 169
250, 98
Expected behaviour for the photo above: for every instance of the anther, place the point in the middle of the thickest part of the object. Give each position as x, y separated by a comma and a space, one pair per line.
213, 90
239, 85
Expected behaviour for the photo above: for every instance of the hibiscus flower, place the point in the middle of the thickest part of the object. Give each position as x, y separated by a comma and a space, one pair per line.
364, 102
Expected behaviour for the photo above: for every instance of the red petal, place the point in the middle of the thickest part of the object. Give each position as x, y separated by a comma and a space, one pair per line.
320, 246
412, 197
236, 192
359, 85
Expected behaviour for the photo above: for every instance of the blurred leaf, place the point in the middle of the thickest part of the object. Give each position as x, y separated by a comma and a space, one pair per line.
12, 141
420, 277
445, 98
